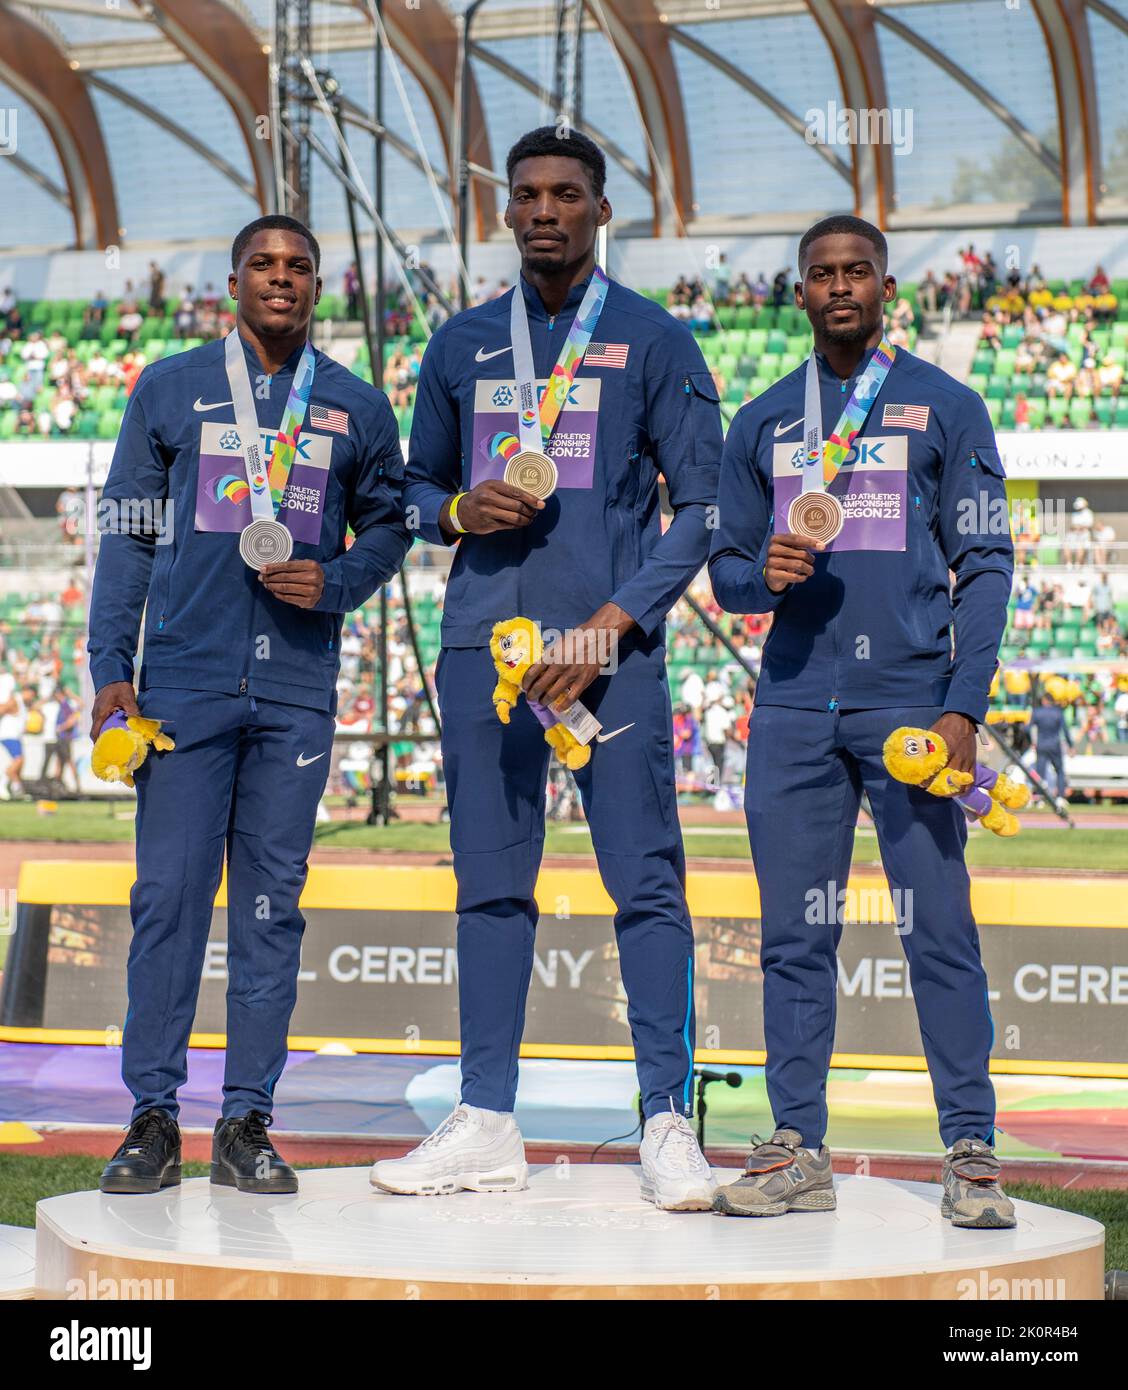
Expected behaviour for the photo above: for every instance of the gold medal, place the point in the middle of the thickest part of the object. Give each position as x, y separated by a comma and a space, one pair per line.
532, 472
818, 515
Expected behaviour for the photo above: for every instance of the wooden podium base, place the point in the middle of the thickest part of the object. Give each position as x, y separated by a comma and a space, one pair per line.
578, 1231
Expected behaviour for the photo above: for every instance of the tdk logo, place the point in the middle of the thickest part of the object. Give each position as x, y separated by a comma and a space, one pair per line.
863, 453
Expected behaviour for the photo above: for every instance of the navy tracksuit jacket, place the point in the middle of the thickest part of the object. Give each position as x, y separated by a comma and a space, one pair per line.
643, 402
863, 646
245, 682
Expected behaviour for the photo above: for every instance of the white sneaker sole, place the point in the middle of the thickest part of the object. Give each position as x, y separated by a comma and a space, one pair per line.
499, 1180
690, 1199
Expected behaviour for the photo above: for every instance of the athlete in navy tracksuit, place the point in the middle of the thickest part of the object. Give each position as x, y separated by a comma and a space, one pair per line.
593, 555
243, 672
861, 643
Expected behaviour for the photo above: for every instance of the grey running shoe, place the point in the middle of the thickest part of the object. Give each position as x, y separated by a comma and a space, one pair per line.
779, 1176
972, 1195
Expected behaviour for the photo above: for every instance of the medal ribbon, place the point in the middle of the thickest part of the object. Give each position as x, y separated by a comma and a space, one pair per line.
536, 425
267, 486
832, 454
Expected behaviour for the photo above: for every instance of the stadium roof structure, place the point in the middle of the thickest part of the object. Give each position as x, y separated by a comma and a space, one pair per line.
131, 121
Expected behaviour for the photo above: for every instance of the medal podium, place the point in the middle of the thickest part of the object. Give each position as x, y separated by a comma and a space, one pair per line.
578, 1231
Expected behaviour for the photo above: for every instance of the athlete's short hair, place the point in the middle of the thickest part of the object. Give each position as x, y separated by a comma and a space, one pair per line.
843, 224
572, 145
274, 220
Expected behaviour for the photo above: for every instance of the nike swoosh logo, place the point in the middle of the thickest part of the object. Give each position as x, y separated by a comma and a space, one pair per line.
198, 404
483, 356
606, 738
781, 428
303, 761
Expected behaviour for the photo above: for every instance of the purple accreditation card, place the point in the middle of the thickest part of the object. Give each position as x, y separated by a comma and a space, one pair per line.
872, 485
571, 448
222, 495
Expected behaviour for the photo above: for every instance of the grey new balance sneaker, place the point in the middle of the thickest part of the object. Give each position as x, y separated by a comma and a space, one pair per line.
779, 1176
972, 1195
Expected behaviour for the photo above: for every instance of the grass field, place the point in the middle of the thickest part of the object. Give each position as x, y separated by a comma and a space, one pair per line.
24, 1179
1037, 847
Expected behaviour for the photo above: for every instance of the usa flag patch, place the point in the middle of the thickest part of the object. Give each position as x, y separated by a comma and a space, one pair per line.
325, 419
913, 417
606, 354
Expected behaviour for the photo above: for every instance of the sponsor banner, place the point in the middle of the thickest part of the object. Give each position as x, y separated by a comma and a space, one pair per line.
571, 448
222, 495
1058, 994
1064, 454
872, 485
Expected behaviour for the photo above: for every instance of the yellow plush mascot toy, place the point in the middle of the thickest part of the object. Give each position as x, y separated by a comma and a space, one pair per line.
919, 757
123, 745
515, 646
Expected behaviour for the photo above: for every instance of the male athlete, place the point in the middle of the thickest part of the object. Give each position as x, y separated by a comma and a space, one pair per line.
586, 558
862, 643
229, 455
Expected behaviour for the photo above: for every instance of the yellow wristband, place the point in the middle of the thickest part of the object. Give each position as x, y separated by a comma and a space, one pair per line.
452, 514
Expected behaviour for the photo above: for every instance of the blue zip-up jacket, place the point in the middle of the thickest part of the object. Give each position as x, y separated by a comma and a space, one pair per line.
210, 623
598, 538
876, 629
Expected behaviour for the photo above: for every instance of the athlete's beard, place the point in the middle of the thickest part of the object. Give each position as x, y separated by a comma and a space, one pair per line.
846, 336
546, 264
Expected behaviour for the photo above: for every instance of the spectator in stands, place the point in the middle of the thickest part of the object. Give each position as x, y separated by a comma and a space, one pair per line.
927, 293
988, 277
129, 323
1079, 537
742, 291
989, 332
1103, 605
1104, 538
702, 317
352, 292
722, 279
7, 302
760, 290
1110, 376
94, 314
781, 287
97, 368
156, 290
1048, 608
185, 318
1099, 284
1024, 602
399, 380
1060, 378
132, 365
64, 409
693, 690
34, 354
1021, 412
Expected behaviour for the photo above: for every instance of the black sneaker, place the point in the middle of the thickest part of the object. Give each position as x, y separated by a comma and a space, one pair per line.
243, 1156
149, 1159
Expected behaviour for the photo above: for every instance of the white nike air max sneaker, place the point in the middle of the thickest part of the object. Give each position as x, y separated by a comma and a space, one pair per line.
472, 1150
675, 1175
